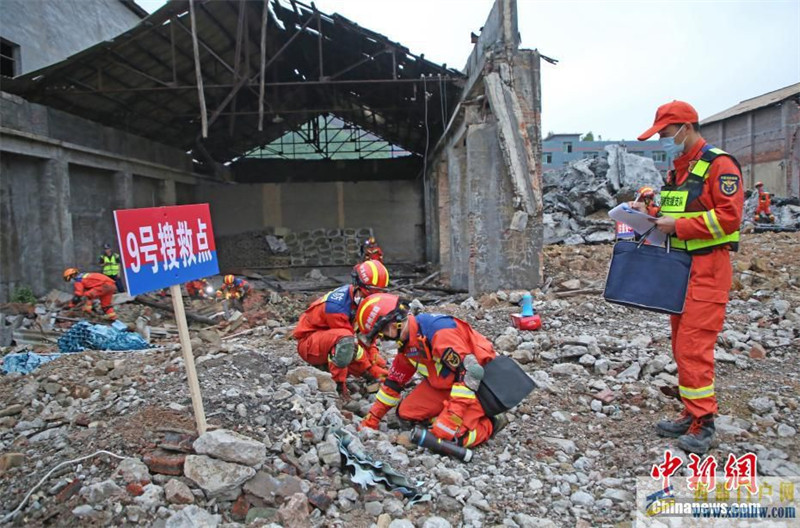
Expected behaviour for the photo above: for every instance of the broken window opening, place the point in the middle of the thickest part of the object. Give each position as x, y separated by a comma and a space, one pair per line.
9, 58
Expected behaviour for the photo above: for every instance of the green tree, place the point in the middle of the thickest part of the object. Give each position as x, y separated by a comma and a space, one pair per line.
588, 137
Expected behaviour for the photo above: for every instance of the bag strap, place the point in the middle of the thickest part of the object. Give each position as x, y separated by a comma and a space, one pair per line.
644, 239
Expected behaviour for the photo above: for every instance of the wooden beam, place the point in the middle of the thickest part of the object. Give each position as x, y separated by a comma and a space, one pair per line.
198, 73
263, 66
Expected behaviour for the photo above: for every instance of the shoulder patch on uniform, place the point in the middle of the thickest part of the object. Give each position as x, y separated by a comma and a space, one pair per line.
729, 184
451, 359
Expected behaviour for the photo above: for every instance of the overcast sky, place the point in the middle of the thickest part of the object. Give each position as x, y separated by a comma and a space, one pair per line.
618, 60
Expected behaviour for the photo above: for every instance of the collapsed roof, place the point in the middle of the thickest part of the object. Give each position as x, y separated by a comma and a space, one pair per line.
304, 62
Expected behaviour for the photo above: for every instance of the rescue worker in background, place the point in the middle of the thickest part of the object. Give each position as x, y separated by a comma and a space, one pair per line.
233, 288
647, 196
370, 250
763, 211
198, 289
701, 209
325, 332
111, 266
90, 286
448, 353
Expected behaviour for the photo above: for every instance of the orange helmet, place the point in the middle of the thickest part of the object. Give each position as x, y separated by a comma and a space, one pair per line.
371, 276
646, 193
378, 310
759, 184
70, 273
228, 279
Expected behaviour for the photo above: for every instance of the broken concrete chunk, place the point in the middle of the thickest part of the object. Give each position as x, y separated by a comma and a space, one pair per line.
231, 447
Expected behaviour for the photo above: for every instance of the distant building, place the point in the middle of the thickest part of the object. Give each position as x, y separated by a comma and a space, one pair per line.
36, 34
764, 135
560, 149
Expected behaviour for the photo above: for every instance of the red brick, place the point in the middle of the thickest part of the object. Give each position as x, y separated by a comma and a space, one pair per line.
319, 499
71, 490
164, 462
135, 489
240, 508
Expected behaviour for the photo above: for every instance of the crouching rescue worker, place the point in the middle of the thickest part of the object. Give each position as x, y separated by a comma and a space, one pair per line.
198, 289
448, 353
763, 210
701, 209
87, 287
233, 288
325, 333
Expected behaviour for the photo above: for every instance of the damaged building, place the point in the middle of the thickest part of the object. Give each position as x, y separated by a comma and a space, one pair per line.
289, 122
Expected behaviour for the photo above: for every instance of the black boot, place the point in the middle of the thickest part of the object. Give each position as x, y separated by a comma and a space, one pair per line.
699, 436
675, 428
499, 423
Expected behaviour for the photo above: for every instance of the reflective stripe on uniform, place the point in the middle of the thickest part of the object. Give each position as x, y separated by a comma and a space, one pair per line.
441, 426
696, 394
387, 399
713, 225
421, 367
471, 438
359, 353
460, 390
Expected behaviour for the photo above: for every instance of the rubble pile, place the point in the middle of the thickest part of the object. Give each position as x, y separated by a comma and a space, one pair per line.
568, 457
785, 210
577, 198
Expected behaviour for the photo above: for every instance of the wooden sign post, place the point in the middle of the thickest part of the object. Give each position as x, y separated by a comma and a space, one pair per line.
164, 247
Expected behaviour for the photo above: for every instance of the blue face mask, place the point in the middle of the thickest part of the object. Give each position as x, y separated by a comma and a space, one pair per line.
669, 146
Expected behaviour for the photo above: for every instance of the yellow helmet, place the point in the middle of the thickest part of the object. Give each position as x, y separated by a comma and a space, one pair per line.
70, 274
228, 279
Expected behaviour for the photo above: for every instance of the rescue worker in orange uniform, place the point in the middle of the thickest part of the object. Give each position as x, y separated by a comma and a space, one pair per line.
370, 250
763, 211
701, 210
325, 333
198, 289
448, 353
233, 288
90, 286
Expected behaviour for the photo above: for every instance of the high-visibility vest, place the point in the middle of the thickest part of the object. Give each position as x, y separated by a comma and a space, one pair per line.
110, 264
676, 199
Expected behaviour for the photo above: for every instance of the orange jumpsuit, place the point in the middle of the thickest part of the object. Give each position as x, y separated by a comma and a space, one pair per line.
196, 289
433, 339
694, 333
323, 324
238, 290
96, 286
764, 206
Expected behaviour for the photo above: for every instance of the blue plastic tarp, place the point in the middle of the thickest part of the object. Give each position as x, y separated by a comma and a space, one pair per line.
85, 336
26, 362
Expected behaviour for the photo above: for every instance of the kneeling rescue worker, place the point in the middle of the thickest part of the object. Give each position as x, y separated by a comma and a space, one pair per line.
325, 332
448, 353
198, 289
701, 209
90, 286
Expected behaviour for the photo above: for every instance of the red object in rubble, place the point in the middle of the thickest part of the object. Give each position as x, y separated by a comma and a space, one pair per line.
531, 322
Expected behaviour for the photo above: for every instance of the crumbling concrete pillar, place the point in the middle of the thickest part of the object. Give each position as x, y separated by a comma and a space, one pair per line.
58, 250
166, 193
123, 190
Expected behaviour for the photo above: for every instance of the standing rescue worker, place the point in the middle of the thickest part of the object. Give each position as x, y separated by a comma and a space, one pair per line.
370, 250
763, 211
90, 286
701, 206
325, 333
448, 353
111, 266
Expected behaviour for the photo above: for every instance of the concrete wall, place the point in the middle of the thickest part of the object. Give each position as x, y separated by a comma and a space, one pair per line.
766, 143
393, 209
486, 171
61, 177
48, 31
